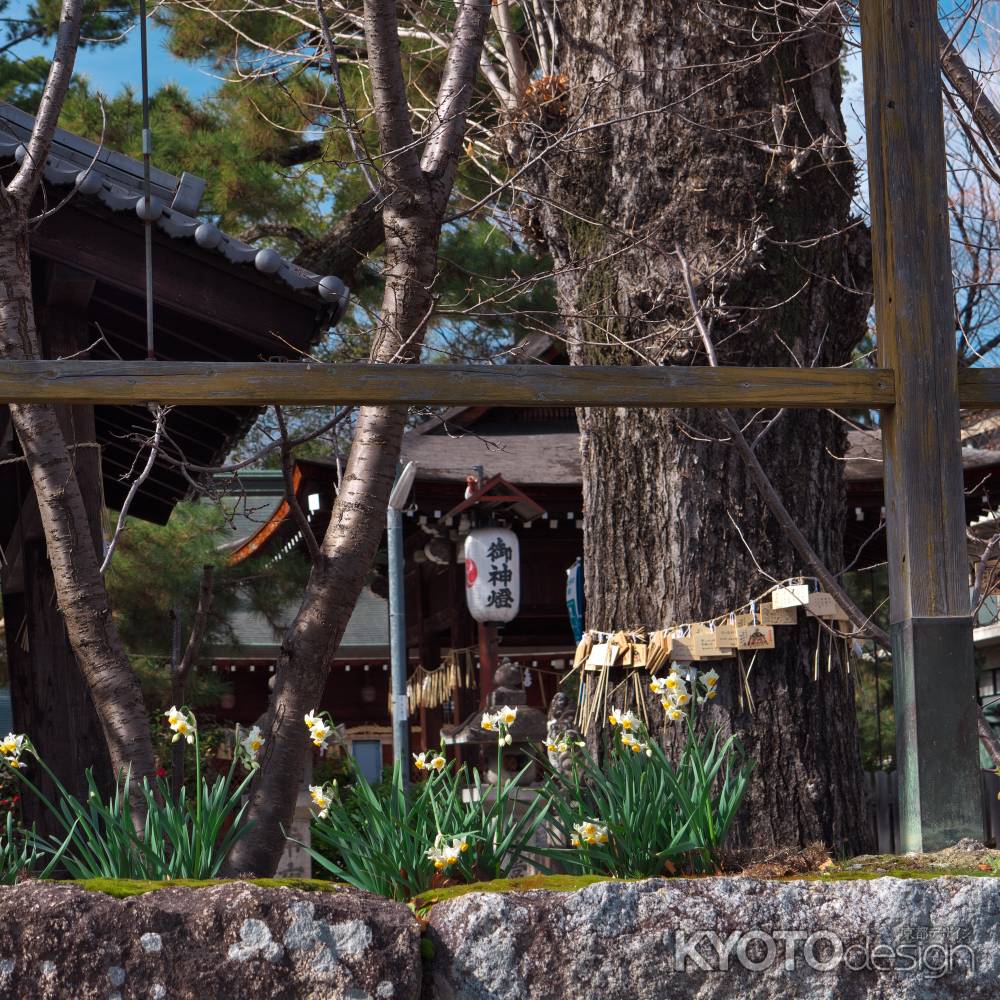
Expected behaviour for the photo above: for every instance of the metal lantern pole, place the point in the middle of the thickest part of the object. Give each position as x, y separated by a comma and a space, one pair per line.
397, 619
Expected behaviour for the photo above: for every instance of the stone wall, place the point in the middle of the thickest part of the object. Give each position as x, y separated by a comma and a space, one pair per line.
235, 941
720, 938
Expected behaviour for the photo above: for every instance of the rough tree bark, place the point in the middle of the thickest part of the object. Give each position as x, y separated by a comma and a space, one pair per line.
417, 180
79, 585
50, 698
688, 126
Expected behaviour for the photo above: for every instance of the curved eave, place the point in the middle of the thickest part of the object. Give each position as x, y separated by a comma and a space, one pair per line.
266, 531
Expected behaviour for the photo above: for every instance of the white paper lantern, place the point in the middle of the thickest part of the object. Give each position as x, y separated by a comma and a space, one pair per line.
492, 574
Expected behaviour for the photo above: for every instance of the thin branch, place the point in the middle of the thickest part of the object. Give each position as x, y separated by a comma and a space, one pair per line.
200, 626
814, 563
392, 111
22, 187
441, 153
354, 137
982, 109
160, 414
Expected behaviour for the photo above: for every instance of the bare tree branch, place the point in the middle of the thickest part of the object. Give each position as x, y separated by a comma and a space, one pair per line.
160, 414
815, 565
60, 73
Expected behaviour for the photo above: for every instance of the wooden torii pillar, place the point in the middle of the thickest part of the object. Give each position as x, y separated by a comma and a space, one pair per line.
937, 755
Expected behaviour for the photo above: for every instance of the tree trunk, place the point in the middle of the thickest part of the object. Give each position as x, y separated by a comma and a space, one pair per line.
418, 186
346, 553
79, 586
684, 132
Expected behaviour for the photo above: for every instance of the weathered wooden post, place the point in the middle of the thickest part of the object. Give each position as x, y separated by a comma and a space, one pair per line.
933, 670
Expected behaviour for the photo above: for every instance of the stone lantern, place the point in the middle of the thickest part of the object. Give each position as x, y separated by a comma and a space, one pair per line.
529, 727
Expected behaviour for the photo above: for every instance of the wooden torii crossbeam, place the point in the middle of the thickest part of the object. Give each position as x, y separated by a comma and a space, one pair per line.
917, 387
193, 383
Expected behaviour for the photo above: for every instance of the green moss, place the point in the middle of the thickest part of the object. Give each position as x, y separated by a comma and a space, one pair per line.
865, 876
551, 883
120, 888
426, 949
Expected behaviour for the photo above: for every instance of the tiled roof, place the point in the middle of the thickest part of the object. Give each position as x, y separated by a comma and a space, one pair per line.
367, 630
116, 180
251, 498
864, 456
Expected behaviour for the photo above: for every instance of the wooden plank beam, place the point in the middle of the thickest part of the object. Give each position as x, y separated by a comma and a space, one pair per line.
937, 756
979, 387
199, 384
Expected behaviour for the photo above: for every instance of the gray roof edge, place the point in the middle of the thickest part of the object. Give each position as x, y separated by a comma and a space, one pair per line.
116, 180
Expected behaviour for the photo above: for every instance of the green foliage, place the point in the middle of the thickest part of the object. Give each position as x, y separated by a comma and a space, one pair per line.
182, 839
381, 837
203, 687
873, 699
21, 80
186, 839
22, 77
18, 854
654, 811
158, 568
208, 137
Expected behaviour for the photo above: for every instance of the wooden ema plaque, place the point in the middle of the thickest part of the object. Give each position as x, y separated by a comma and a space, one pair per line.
752, 637
822, 605
794, 596
602, 654
680, 647
725, 635
770, 615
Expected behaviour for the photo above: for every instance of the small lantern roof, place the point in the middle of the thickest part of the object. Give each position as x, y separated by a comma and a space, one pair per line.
501, 497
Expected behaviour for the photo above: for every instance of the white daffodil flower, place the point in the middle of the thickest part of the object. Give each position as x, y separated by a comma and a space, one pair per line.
615, 718
437, 762
420, 761
252, 742
443, 854
320, 733
710, 679
589, 832
658, 685
312, 719
181, 722
321, 800
507, 715
630, 721
489, 722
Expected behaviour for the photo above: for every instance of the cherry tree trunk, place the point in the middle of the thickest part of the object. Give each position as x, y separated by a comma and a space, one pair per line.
70, 535
688, 127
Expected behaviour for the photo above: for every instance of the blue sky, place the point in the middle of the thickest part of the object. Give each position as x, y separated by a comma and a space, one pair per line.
110, 68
